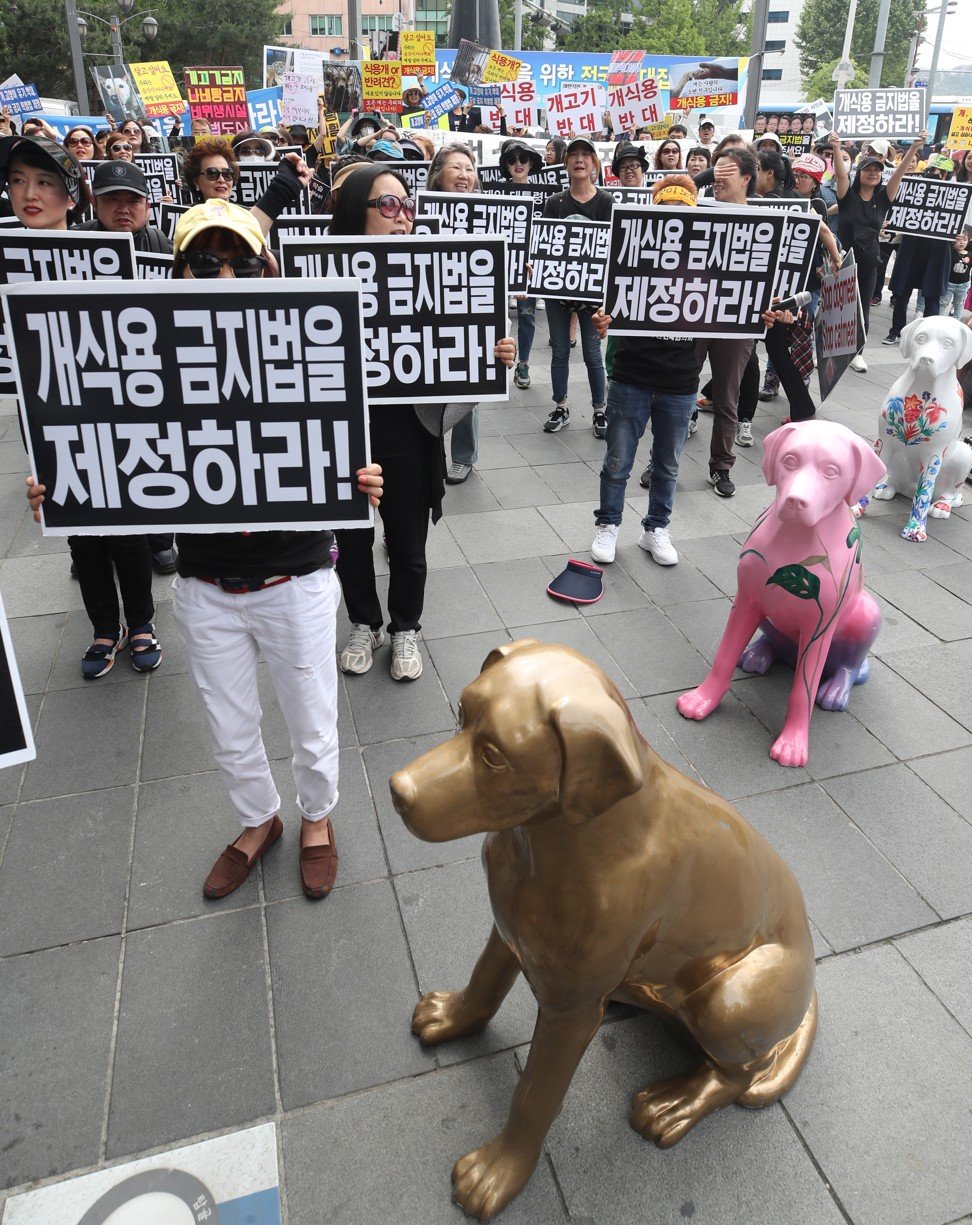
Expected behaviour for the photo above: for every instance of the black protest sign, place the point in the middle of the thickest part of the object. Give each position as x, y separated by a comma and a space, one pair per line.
486, 214
683, 271
799, 246
415, 174
193, 406
255, 178
838, 325
552, 176
896, 114
433, 313
11, 223
158, 188
568, 259
538, 193
150, 266
426, 225
164, 164
169, 215
929, 208
16, 738
630, 195
318, 191
296, 225
490, 174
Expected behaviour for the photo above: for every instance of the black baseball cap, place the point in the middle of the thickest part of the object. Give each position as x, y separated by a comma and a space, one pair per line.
60, 159
580, 142
118, 176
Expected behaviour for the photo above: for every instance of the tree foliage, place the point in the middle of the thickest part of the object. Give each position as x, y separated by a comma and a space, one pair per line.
820, 37
821, 84
661, 27
533, 33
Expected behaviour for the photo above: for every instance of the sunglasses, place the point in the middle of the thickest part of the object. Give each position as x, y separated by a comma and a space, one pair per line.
517, 159
80, 140
213, 174
204, 265
390, 206
121, 145
131, 132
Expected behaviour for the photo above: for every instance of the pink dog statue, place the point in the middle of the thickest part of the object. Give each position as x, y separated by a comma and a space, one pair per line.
800, 581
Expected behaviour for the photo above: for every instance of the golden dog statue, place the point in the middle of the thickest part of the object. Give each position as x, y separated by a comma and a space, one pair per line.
612, 876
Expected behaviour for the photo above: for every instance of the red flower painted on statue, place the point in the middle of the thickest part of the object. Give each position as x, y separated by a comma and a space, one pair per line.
912, 409
934, 412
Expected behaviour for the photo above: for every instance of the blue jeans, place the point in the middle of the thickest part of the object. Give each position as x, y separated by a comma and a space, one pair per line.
526, 328
629, 411
558, 318
956, 298
465, 439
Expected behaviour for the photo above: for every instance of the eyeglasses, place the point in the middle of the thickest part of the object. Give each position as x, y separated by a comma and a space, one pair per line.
250, 151
204, 265
390, 205
121, 146
79, 140
517, 159
211, 173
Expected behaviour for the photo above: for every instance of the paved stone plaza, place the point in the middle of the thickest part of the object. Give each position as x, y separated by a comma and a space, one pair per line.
137, 1017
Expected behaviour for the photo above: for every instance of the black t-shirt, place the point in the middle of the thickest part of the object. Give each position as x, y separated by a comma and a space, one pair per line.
563, 205
961, 267
860, 221
657, 363
252, 554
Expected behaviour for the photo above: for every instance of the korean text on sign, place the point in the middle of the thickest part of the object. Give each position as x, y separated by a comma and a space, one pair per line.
896, 114
381, 85
485, 214
219, 95
568, 259
930, 208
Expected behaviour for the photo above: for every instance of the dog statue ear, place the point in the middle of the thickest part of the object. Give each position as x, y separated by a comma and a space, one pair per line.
600, 764
501, 652
965, 347
870, 469
771, 446
904, 347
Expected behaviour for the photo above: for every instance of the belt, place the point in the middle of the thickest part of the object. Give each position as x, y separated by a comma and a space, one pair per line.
243, 586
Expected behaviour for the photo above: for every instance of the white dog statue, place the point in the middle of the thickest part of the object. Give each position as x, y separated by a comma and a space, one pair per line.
921, 424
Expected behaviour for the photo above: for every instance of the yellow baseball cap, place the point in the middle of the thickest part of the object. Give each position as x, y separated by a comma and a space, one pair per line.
218, 215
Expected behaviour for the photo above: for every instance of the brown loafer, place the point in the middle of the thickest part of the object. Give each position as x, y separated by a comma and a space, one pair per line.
318, 866
233, 867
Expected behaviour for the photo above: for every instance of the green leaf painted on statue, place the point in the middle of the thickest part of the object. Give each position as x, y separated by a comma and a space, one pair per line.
797, 580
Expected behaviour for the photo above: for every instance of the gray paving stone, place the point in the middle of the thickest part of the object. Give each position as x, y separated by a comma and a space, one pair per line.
447, 919
29, 541
54, 845
542, 451
406, 852
515, 488
898, 631
902, 718
716, 557
458, 660
13, 512
33, 584
35, 643
956, 578
567, 478
518, 592
730, 749
193, 1046
665, 585
455, 603
609, 1173
702, 513
574, 524
925, 839
498, 453
509, 420
853, 894
384, 709
441, 549
651, 652
872, 1097
658, 737
885, 530
102, 728
702, 622
390, 1152
579, 635
55, 1015
950, 775
941, 673
354, 938
941, 957
945, 615
469, 498
504, 535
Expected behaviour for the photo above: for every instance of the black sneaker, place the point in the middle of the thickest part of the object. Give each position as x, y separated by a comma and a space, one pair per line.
557, 419
892, 338
721, 483
599, 424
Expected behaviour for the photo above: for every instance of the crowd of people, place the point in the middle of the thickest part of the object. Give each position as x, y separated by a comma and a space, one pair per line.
239, 597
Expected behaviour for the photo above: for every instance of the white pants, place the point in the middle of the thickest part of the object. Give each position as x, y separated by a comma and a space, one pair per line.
292, 627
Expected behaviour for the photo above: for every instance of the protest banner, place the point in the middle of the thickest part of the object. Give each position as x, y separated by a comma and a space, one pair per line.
929, 208
65, 255
793, 129
426, 225
158, 189
568, 259
625, 67
327, 132
263, 107
299, 102
11, 223
381, 85
165, 164
636, 104
897, 114
416, 49
838, 325
799, 246
297, 225
537, 193
441, 100
16, 735
276, 61
219, 95
432, 314
960, 129
169, 215
635, 195
152, 266
486, 214
520, 106
681, 271
499, 68
255, 178
20, 99
706, 83
574, 113
469, 63
117, 91
415, 174
179, 406
158, 89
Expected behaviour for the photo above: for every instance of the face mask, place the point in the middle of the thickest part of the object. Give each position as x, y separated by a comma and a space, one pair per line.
366, 130
251, 157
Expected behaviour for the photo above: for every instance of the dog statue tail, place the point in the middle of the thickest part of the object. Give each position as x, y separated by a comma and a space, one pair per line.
782, 1074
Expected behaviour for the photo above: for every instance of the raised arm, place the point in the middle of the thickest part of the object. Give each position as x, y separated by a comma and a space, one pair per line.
841, 177
905, 165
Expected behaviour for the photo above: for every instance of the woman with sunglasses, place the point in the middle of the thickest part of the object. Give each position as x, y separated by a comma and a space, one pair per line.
79, 142
668, 156
407, 442
133, 131
518, 161
48, 191
211, 169
119, 148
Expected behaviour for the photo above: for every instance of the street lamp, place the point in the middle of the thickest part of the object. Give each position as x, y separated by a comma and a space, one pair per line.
150, 27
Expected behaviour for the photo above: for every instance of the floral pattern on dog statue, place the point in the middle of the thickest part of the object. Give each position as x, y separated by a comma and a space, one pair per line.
914, 418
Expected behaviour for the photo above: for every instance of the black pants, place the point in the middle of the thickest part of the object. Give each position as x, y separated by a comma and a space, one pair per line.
97, 559
405, 518
802, 407
867, 271
749, 388
158, 544
899, 315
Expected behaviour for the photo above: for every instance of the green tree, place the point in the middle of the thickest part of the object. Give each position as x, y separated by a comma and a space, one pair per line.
217, 32
724, 27
661, 26
532, 33
820, 36
821, 84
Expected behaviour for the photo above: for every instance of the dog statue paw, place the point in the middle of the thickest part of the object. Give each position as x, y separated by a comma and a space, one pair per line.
800, 581
920, 423
706, 924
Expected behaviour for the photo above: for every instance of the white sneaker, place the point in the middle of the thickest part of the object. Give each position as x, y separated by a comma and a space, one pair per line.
859, 364
605, 542
359, 649
658, 543
406, 662
744, 434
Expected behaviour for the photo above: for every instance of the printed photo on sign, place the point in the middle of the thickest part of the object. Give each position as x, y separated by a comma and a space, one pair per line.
117, 91
470, 63
706, 83
16, 737
180, 406
793, 129
896, 114
568, 259
929, 208
486, 214
680, 271
433, 313
838, 325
